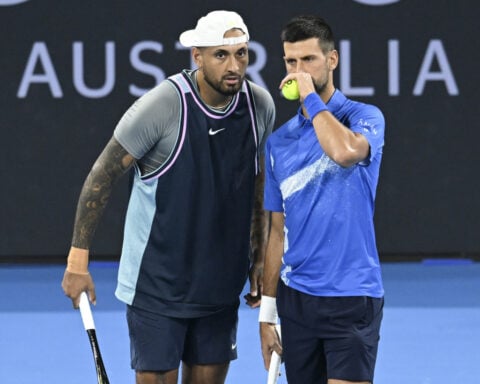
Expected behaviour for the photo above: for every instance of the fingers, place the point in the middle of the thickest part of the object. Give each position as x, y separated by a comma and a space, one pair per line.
267, 357
304, 82
252, 301
253, 286
288, 77
266, 349
76, 302
256, 277
74, 284
91, 294
270, 341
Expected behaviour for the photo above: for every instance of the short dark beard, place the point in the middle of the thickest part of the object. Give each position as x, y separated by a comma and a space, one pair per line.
225, 92
319, 88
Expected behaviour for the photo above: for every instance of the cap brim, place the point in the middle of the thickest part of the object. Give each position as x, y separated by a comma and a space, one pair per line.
187, 38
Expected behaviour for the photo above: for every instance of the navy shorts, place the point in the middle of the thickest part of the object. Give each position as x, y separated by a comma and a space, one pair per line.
159, 343
328, 337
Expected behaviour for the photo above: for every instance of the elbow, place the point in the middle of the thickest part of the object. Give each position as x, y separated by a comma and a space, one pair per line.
345, 158
349, 155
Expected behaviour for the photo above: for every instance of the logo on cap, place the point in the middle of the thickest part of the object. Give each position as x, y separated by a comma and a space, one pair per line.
377, 2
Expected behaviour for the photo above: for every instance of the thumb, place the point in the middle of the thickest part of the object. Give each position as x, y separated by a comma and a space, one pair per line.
254, 288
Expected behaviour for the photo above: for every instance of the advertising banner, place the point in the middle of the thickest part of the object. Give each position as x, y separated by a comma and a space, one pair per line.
69, 70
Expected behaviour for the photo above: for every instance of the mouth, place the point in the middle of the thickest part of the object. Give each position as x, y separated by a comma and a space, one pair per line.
232, 80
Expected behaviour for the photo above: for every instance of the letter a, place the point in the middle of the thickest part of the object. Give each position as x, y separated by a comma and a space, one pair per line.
39, 54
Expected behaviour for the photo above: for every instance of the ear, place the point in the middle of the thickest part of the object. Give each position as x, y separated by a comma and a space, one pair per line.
197, 57
332, 59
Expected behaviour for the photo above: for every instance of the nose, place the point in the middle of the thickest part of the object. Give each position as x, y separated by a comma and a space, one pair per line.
299, 66
233, 64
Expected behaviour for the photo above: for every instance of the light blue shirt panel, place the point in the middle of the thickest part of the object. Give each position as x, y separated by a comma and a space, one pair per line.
138, 224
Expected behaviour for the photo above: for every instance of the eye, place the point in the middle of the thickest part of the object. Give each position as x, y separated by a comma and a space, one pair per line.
242, 52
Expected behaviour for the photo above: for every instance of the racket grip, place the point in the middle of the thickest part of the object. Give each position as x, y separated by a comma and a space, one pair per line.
86, 312
274, 370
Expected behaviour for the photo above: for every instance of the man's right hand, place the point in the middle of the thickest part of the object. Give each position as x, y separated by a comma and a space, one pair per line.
270, 341
76, 278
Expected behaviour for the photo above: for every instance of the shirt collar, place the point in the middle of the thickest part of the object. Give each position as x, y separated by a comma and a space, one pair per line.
336, 101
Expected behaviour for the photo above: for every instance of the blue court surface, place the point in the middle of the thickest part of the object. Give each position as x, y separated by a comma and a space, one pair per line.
430, 333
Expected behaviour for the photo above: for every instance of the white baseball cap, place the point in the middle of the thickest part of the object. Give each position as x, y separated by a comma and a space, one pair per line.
211, 28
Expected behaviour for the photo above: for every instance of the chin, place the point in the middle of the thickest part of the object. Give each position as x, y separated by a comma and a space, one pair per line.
230, 91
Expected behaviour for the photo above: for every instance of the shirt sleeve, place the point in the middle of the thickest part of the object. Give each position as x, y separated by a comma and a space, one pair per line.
149, 120
370, 122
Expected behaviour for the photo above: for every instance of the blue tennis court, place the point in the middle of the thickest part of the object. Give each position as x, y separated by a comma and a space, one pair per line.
430, 333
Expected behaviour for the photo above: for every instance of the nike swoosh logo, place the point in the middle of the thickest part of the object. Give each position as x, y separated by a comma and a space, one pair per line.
234, 346
211, 132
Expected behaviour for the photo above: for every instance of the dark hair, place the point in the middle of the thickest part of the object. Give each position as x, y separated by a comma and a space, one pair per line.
305, 27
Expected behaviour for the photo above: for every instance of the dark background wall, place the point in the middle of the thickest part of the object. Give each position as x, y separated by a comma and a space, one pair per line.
68, 71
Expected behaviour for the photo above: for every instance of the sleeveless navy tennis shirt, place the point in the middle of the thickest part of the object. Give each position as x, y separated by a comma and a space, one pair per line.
186, 243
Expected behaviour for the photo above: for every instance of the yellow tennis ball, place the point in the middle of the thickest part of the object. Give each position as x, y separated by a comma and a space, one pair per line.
290, 90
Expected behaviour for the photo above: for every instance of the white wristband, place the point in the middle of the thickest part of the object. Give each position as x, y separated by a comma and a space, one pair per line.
268, 310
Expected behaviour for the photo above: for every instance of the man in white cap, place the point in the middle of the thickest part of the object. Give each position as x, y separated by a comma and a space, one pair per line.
196, 142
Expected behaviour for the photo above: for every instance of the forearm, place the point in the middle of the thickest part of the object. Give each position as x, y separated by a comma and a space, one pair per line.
341, 144
260, 223
274, 254
107, 170
273, 261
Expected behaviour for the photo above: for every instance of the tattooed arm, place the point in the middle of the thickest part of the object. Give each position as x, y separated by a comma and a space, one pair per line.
258, 239
112, 163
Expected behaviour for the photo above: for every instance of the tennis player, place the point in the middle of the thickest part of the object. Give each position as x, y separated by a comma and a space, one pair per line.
195, 142
322, 268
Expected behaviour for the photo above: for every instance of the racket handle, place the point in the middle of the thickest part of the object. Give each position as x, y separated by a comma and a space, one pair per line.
86, 312
274, 370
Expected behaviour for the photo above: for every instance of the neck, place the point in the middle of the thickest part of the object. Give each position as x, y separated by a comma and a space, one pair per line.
327, 93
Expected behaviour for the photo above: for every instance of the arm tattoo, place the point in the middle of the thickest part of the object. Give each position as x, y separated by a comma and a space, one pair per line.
260, 222
112, 163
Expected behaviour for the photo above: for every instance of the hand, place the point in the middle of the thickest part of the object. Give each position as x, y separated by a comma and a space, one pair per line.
256, 278
74, 284
304, 82
270, 341
253, 301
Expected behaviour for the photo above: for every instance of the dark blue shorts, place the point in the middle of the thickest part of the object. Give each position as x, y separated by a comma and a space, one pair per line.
159, 343
328, 337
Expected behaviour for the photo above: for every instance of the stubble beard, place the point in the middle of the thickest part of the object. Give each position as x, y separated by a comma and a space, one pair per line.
220, 88
320, 86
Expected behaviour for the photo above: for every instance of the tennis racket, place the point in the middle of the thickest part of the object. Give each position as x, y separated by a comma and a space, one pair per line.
275, 362
89, 325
